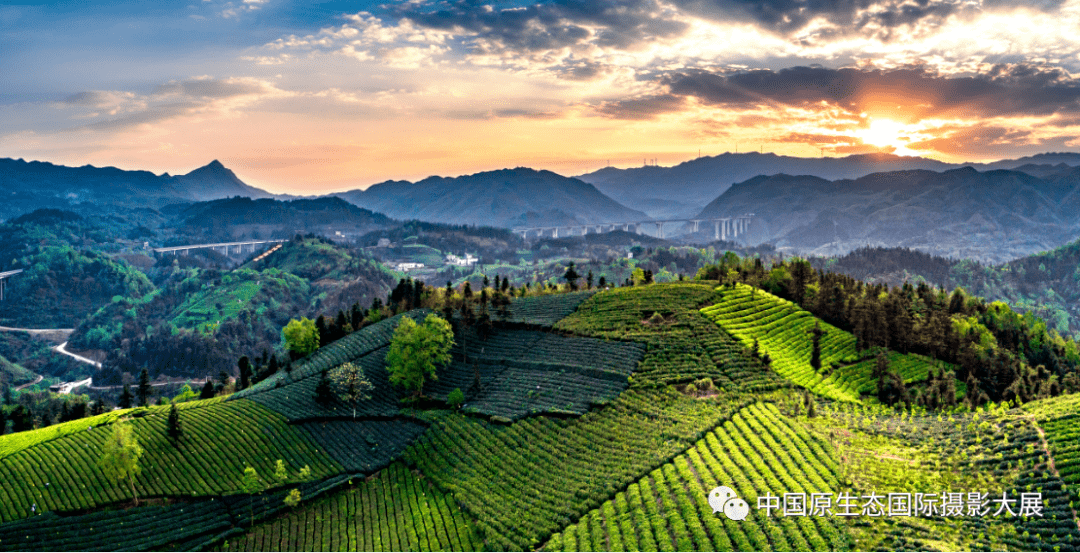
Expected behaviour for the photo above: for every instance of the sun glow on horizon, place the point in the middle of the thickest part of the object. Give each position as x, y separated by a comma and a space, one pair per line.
888, 134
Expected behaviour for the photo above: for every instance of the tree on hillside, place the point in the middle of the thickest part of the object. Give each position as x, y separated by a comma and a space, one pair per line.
301, 337
356, 316
323, 330
501, 302
484, 326
815, 341
3, 421
21, 419
175, 429
120, 456
324, 394
350, 384
417, 351
468, 319
207, 390
890, 386
589, 280
341, 325
144, 390
126, 398
244, 364
251, 486
571, 276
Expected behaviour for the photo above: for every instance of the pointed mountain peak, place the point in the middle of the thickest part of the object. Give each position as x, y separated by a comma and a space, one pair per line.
214, 168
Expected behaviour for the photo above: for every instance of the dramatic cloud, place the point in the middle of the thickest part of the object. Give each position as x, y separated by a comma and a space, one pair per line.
790, 16
642, 108
303, 93
549, 26
902, 94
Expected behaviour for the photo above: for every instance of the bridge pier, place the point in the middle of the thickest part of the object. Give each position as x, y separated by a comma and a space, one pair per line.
3, 286
660, 229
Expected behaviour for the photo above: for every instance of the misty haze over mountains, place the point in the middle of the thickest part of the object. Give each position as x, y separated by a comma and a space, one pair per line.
681, 190
989, 212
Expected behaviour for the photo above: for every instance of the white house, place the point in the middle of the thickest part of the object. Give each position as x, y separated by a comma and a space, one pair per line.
461, 261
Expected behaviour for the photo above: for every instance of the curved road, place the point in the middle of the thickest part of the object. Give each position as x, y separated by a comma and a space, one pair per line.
62, 349
25, 386
36, 330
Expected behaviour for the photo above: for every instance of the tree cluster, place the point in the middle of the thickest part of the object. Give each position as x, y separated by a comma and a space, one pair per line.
1000, 354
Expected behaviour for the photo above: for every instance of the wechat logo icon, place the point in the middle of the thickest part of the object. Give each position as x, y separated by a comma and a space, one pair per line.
724, 499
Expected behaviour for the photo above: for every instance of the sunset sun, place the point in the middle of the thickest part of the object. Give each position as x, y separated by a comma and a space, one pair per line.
884, 133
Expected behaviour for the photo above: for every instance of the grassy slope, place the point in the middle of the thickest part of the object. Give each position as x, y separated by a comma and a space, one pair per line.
758, 451
220, 439
394, 511
239, 291
991, 451
524, 482
782, 330
680, 346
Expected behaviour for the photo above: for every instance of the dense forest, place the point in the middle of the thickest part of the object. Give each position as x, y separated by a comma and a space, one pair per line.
62, 277
1046, 284
1001, 355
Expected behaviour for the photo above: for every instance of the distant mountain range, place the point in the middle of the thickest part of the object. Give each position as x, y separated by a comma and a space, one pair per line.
504, 198
30, 185
990, 212
991, 216
681, 191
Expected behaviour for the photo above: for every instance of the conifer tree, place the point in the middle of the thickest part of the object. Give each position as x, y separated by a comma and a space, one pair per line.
244, 364
175, 428
126, 397
207, 390
571, 276
144, 390
815, 341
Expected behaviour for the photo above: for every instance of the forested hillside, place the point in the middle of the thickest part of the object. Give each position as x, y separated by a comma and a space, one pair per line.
62, 279
1046, 284
1001, 355
198, 322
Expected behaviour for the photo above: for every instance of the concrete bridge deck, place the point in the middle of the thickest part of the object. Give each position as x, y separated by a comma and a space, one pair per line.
3, 281
223, 245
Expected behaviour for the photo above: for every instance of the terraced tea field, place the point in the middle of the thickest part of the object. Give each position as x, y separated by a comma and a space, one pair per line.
580, 436
528, 480
394, 511
783, 331
220, 440
756, 452
681, 344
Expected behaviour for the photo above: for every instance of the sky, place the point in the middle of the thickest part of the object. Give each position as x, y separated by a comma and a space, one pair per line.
313, 97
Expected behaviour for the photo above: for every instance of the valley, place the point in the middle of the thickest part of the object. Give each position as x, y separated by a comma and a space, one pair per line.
593, 389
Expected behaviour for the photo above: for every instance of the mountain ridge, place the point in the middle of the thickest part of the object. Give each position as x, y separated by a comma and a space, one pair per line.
680, 190
504, 197
42, 184
990, 216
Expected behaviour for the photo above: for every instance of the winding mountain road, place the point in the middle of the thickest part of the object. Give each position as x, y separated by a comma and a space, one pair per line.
25, 386
62, 349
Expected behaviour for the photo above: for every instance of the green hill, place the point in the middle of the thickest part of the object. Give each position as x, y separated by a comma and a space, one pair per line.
782, 329
585, 434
